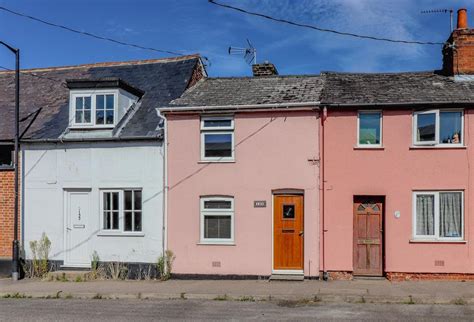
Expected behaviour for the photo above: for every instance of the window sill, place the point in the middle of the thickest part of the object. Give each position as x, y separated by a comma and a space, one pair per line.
375, 147
91, 127
437, 241
6, 168
120, 234
216, 161
216, 244
437, 147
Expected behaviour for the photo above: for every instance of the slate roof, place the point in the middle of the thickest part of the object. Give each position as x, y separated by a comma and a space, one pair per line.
252, 91
46, 96
387, 88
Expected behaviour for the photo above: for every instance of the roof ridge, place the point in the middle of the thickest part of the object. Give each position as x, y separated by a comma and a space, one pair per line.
265, 77
380, 73
109, 64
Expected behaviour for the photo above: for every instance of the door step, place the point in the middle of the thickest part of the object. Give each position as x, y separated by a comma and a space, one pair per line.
287, 277
373, 278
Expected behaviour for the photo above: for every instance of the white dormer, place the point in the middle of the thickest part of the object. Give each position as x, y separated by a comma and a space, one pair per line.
99, 104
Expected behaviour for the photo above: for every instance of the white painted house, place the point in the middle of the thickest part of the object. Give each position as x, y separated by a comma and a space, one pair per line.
93, 162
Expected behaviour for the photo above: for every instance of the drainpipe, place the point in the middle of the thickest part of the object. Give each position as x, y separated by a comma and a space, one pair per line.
165, 182
323, 190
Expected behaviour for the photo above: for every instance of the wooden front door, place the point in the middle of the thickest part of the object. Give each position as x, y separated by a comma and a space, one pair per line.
368, 236
288, 232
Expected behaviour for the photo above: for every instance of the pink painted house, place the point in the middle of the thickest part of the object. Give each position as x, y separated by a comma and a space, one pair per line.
398, 198
243, 177
338, 175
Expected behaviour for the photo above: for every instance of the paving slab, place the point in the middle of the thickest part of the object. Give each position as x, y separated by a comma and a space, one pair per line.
371, 291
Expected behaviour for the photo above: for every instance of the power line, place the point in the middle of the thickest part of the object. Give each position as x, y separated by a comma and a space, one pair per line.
85, 33
257, 14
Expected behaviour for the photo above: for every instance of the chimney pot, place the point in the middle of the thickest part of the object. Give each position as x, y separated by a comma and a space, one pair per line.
462, 19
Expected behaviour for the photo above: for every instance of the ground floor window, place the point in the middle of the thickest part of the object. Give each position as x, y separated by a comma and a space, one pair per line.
217, 219
6, 155
122, 210
439, 215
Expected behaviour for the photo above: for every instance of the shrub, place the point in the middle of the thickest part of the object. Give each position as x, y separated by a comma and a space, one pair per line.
165, 265
40, 253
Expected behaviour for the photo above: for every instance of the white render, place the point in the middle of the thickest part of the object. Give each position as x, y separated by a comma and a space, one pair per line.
50, 171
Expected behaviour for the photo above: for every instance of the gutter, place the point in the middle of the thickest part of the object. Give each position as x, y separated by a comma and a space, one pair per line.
251, 107
398, 104
111, 139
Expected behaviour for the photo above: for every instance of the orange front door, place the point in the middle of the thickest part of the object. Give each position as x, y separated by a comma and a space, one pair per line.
288, 231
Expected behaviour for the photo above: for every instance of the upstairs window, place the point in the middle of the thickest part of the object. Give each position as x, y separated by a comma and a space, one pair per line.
217, 139
94, 109
6, 156
369, 132
439, 128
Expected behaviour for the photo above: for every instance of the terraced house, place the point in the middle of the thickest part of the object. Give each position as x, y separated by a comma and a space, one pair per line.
92, 158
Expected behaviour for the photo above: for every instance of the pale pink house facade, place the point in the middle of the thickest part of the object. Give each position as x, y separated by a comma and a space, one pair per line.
243, 178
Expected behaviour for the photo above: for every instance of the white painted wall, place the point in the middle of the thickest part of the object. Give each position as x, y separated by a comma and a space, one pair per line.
49, 169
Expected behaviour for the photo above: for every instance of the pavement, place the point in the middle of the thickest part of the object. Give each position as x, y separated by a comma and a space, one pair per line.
356, 291
13, 310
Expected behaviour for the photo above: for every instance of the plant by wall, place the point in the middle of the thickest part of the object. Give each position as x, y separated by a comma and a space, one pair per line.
40, 256
165, 265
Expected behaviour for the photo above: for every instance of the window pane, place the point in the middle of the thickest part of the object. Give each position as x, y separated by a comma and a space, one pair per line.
107, 220
426, 127
138, 221
218, 227
115, 200
87, 116
450, 214
110, 102
115, 220
128, 200
138, 200
425, 215
288, 211
107, 205
217, 204
218, 145
99, 117
369, 128
109, 117
217, 123
99, 101
79, 117
450, 127
6, 155
87, 103
79, 103
128, 221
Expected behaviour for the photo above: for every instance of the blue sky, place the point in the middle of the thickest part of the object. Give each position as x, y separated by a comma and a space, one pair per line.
195, 26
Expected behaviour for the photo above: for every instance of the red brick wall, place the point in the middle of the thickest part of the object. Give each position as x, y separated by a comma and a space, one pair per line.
459, 60
198, 73
7, 201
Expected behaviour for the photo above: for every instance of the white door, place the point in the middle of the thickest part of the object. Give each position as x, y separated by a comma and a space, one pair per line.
77, 233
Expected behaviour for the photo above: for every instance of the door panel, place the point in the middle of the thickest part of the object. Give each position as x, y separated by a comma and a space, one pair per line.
288, 232
76, 230
368, 236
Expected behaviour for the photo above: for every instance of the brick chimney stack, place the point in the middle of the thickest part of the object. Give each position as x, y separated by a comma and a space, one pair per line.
458, 52
265, 69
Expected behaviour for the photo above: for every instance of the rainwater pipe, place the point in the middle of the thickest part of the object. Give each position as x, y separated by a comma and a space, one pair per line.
323, 114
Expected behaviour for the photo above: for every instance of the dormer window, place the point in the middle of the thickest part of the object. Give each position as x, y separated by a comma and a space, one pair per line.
100, 103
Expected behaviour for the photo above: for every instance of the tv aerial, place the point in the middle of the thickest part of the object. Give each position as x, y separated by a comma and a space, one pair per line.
249, 53
450, 11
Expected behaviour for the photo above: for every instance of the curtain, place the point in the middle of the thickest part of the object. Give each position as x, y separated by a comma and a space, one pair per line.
450, 214
425, 215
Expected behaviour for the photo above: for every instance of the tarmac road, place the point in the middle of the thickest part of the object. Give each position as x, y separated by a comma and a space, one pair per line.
148, 310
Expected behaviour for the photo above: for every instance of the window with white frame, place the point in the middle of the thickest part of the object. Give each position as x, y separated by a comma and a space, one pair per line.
438, 215
122, 210
217, 138
369, 132
217, 219
96, 109
438, 127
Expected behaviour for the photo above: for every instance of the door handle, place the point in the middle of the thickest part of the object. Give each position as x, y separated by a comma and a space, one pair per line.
68, 229
301, 233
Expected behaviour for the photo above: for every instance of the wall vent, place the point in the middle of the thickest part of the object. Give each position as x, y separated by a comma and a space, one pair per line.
439, 263
216, 264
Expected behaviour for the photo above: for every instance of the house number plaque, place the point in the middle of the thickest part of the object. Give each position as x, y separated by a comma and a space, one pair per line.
259, 204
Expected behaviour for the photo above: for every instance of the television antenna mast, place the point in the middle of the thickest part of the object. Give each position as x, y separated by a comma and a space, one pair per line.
450, 11
250, 52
